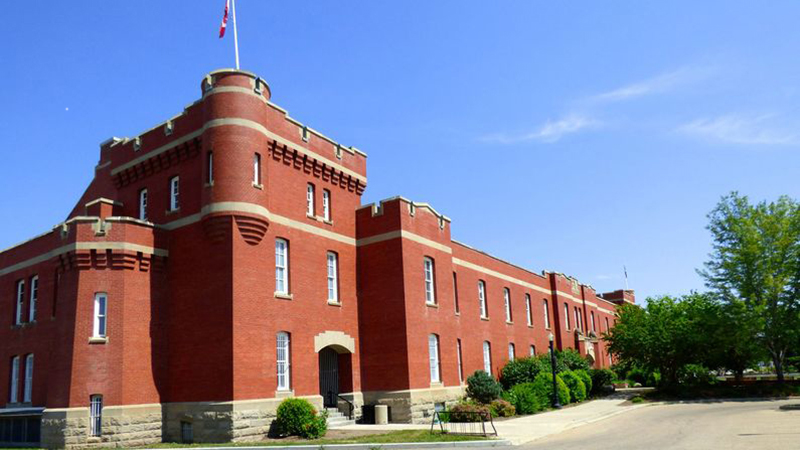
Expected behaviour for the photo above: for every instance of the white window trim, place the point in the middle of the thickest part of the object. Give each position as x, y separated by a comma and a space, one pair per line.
310, 199
532, 350
257, 169
333, 277
482, 299
20, 301
34, 299
546, 314
433, 358
282, 283
528, 315
174, 193
487, 357
591, 316
283, 345
460, 363
430, 280
566, 316
210, 167
96, 415
512, 351
28, 386
143, 204
507, 301
326, 204
14, 384
96, 323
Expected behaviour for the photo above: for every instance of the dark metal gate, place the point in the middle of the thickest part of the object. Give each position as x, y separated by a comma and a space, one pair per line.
329, 376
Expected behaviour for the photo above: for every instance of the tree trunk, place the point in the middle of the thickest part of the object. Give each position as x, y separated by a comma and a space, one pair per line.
738, 377
778, 368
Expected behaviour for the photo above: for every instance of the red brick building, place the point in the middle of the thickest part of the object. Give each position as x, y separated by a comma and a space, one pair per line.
222, 261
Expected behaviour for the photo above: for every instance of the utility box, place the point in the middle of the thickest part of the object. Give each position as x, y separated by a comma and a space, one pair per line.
381, 414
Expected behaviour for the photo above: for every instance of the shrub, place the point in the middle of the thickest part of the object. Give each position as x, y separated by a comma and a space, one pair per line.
297, 417
569, 359
526, 399
577, 390
483, 388
463, 412
520, 370
638, 375
601, 378
543, 386
502, 408
695, 375
587, 380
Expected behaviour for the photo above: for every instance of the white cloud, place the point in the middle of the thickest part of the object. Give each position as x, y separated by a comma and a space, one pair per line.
550, 131
659, 84
742, 129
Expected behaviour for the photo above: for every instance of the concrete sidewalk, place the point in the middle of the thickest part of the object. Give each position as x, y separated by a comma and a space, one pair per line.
530, 428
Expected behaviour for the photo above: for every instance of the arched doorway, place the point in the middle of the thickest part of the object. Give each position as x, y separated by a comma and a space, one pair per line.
329, 376
335, 365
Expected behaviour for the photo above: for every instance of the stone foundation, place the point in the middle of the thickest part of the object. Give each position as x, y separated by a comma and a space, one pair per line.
414, 405
140, 425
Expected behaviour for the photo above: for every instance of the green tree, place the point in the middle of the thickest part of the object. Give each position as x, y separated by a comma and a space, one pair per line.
756, 259
734, 328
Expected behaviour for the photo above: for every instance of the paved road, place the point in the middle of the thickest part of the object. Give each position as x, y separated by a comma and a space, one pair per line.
726, 425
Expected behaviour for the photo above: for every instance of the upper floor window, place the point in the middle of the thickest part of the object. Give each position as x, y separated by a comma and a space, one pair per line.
283, 361
460, 366
507, 300
174, 193
528, 315
546, 315
13, 396
433, 353
607, 327
27, 390
577, 319
281, 266
210, 168
310, 199
533, 350
143, 204
333, 277
430, 296
257, 169
20, 302
100, 305
487, 357
455, 292
566, 315
96, 415
326, 204
482, 299
512, 352
591, 317
34, 298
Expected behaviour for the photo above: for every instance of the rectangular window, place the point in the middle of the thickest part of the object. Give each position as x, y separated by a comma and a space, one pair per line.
528, 315
96, 415
310, 199
34, 298
174, 194
577, 319
28, 386
100, 305
566, 315
455, 292
281, 266
591, 316
333, 277
533, 350
326, 205
143, 204
546, 315
283, 361
430, 296
487, 357
460, 366
210, 168
433, 354
607, 328
13, 396
507, 300
511, 352
20, 301
482, 298
257, 169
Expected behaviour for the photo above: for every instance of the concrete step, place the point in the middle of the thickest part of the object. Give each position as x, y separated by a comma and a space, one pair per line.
340, 424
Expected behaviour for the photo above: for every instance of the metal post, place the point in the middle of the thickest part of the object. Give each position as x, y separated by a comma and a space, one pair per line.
235, 34
556, 403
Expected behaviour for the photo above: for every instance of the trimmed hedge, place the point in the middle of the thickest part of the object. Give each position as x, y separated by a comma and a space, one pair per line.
526, 398
483, 388
521, 370
297, 417
543, 385
577, 390
587, 380
601, 378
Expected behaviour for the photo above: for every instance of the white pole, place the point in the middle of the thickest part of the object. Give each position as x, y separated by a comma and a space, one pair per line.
235, 35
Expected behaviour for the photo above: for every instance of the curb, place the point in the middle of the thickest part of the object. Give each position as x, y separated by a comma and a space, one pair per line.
401, 445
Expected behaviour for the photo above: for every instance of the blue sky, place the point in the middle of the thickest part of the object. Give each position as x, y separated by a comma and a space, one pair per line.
569, 136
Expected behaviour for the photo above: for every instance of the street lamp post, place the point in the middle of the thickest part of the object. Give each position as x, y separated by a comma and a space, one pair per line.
556, 403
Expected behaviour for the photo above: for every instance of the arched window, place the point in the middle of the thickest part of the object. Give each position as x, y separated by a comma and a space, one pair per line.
546, 315
433, 352
487, 357
528, 315
283, 361
507, 300
430, 295
512, 352
482, 299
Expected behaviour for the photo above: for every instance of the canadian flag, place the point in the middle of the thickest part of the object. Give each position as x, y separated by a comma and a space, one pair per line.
224, 20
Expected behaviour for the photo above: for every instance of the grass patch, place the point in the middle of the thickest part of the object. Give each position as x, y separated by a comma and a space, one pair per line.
392, 437
637, 399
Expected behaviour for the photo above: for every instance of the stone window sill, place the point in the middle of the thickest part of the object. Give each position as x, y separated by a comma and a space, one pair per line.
335, 303
485, 318
170, 212
94, 439
284, 393
258, 186
98, 340
530, 326
327, 221
210, 184
283, 296
509, 322
437, 384
432, 305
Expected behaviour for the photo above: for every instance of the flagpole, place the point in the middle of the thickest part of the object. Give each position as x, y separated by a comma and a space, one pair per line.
235, 34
